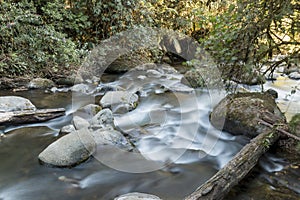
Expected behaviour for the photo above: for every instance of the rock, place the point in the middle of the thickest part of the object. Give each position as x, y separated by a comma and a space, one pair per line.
239, 113
273, 93
80, 123
69, 150
193, 78
103, 119
119, 101
15, 103
111, 137
40, 83
69, 80
67, 129
88, 112
137, 196
80, 88
294, 75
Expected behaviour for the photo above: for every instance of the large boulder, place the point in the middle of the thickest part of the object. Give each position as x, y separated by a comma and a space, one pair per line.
79, 122
15, 103
103, 119
240, 114
119, 101
40, 83
137, 196
69, 150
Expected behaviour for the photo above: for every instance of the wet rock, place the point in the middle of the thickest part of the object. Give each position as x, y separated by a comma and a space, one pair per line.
193, 78
119, 101
15, 103
103, 119
80, 123
80, 88
294, 75
137, 196
111, 137
69, 150
40, 83
88, 112
239, 114
67, 129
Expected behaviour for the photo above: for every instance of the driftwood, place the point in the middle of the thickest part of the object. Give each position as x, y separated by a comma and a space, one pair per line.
30, 116
227, 177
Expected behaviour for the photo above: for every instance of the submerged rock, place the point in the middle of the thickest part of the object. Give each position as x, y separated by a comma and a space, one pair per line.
40, 83
240, 114
69, 150
119, 101
15, 103
137, 196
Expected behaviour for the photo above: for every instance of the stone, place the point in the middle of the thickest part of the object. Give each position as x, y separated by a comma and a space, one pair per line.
40, 83
111, 137
119, 101
80, 88
80, 123
15, 103
239, 114
137, 196
102, 119
88, 112
273, 93
69, 150
67, 129
294, 75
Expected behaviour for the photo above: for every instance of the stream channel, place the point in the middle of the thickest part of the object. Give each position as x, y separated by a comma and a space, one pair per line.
170, 124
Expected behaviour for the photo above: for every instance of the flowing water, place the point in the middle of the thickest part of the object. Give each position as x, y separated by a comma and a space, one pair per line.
167, 126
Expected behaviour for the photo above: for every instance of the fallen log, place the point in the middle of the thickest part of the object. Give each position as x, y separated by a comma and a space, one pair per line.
234, 171
30, 116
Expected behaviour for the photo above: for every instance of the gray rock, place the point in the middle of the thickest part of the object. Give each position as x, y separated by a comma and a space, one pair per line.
111, 137
88, 112
239, 114
69, 150
137, 196
80, 123
40, 83
119, 101
15, 103
80, 88
103, 119
294, 75
67, 129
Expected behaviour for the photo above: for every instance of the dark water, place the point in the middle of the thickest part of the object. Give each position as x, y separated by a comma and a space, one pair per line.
173, 123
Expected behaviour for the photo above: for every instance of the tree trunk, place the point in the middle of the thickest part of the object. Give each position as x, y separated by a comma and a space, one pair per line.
30, 116
220, 184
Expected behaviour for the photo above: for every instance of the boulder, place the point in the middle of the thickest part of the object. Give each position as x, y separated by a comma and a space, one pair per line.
80, 123
103, 119
240, 114
40, 83
15, 103
67, 129
111, 137
88, 112
137, 196
69, 150
119, 101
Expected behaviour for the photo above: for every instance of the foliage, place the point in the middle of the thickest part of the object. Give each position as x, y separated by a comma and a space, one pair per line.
251, 32
28, 45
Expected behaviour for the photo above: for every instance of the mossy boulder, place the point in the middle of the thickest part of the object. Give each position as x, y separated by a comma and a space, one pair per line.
240, 114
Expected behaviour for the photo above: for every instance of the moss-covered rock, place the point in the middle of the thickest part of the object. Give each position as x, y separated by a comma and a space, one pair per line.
240, 114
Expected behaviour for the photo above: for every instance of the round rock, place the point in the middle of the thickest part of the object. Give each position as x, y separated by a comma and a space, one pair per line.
137, 196
15, 103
